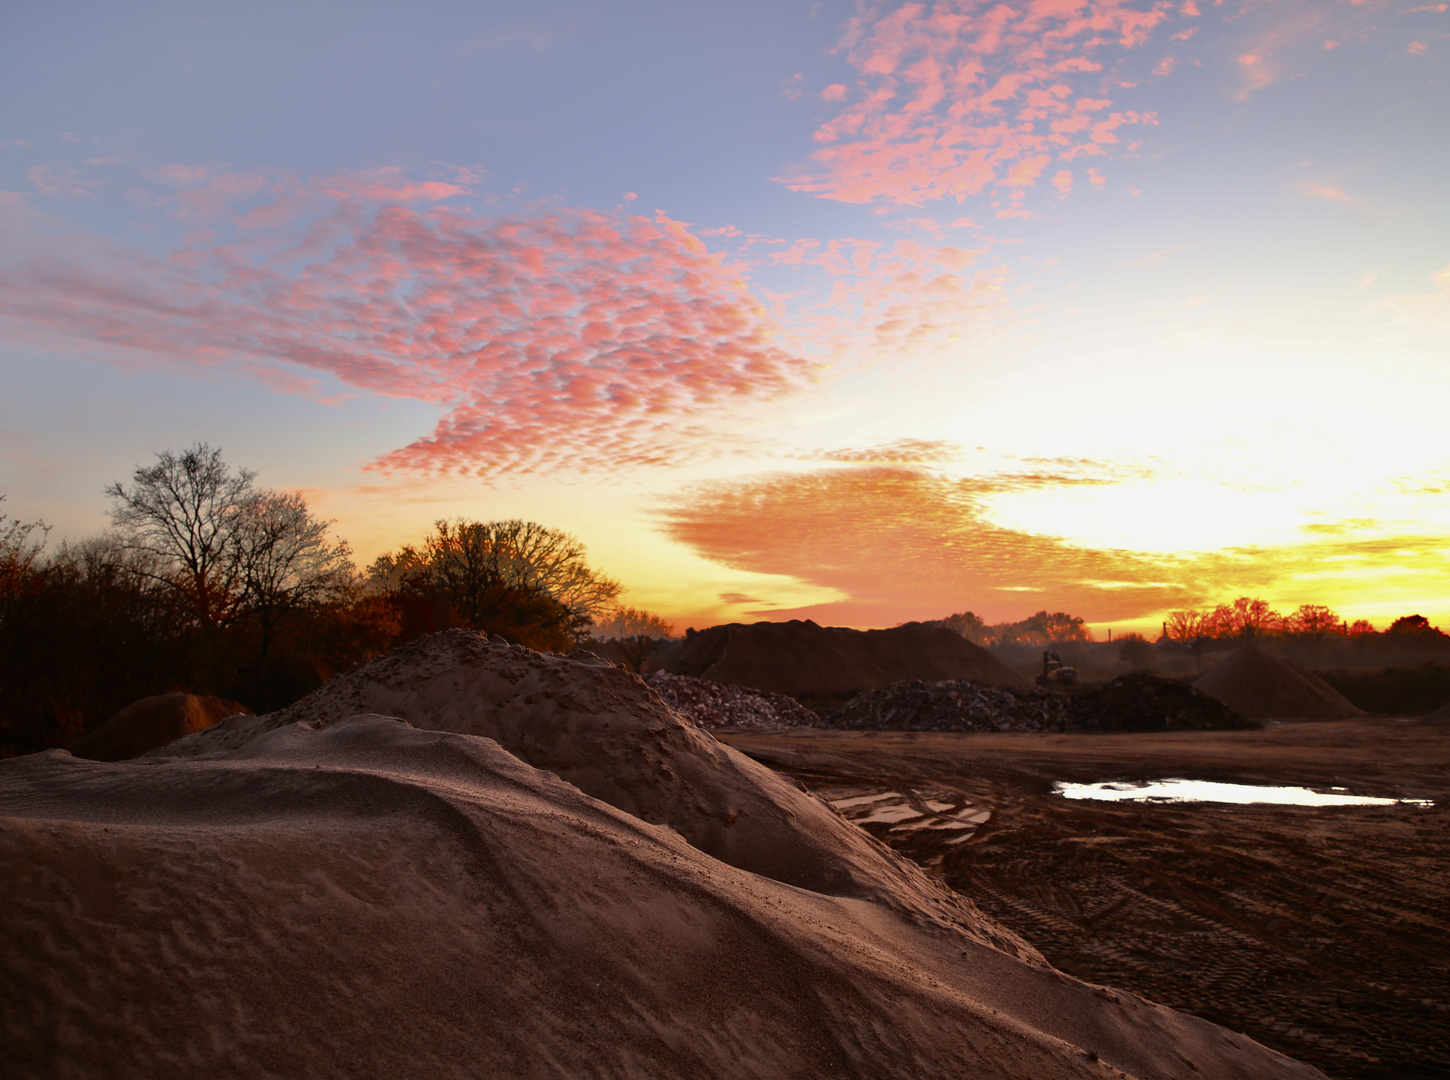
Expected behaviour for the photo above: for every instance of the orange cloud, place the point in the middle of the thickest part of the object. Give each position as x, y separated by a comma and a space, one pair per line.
957, 97
905, 543
548, 338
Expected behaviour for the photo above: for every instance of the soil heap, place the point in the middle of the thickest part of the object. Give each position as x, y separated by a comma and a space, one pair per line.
1142, 702
336, 893
801, 659
153, 722
712, 704
1264, 687
952, 705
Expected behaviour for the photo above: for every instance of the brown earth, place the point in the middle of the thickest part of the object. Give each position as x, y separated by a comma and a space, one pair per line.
546, 873
804, 660
1265, 687
153, 722
1322, 932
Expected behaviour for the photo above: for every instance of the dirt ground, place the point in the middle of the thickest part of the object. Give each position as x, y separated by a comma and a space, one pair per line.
1322, 932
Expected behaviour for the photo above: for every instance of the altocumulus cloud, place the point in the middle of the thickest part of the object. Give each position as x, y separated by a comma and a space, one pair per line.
547, 337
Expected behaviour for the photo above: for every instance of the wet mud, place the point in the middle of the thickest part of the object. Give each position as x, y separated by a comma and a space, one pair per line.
1323, 932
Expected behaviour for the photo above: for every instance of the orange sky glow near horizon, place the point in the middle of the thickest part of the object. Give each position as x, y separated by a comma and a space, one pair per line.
859, 313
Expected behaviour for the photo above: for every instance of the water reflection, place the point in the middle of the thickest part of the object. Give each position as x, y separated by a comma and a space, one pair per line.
1181, 790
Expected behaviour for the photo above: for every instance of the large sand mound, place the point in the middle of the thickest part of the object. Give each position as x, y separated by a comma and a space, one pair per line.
802, 659
604, 731
361, 898
153, 722
1264, 687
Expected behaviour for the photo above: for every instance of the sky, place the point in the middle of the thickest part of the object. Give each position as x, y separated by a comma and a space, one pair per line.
855, 312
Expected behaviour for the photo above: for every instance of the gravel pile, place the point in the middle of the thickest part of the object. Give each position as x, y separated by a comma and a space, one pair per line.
952, 705
712, 704
1141, 702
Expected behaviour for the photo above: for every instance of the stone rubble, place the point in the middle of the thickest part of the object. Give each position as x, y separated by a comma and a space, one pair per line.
952, 705
713, 704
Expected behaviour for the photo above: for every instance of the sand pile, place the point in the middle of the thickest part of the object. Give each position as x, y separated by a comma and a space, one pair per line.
712, 704
802, 659
348, 895
603, 730
152, 722
1264, 687
1141, 702
952, 705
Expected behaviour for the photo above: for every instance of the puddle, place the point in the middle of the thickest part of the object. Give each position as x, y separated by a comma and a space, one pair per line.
1181, 790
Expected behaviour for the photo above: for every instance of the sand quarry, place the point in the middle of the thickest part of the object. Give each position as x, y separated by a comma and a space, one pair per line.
469, 859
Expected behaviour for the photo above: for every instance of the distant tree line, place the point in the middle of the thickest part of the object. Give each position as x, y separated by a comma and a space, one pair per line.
209, 583
1044, 628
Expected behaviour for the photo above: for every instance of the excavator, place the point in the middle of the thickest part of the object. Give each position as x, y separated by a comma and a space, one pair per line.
1054, 672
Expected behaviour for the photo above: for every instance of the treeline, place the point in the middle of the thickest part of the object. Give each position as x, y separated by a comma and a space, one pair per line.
209, 584
1044, 628
1242, 620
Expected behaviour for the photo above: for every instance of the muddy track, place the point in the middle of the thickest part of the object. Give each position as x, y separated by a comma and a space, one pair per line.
1324, 933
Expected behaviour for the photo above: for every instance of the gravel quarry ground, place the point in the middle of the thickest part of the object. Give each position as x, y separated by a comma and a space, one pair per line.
1321, 932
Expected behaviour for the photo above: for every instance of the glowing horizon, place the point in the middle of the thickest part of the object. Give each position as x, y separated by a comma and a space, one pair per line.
862, 314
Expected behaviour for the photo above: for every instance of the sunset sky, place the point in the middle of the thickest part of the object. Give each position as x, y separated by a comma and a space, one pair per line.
861, 313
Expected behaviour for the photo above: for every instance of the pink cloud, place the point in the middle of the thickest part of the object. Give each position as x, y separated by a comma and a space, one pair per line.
58, 181
1313, 189
957, 97
567, 338
1417, 48
866, 301
1063, 182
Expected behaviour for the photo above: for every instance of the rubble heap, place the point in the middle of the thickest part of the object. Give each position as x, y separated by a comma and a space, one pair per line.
952, 705
712, 704
1140, 702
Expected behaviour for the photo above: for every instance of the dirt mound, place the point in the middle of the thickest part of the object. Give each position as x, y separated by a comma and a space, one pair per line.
603, 730
1141, 702
354, 896
1440, 715
801, 659
952, 705
712, 704
153, 722
1263, 687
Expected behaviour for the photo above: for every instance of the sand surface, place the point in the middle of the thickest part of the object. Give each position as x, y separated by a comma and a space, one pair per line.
1322, 932
346, 894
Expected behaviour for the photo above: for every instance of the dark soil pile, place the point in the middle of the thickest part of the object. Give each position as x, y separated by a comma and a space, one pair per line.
802, 659
1264, 687
1440, 715
712, 704
1140, 702
953, 705
153, 722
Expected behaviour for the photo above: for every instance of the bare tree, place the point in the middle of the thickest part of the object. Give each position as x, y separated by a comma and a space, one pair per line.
183, 510
628, 622
18, 551
284, 558
632, 635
